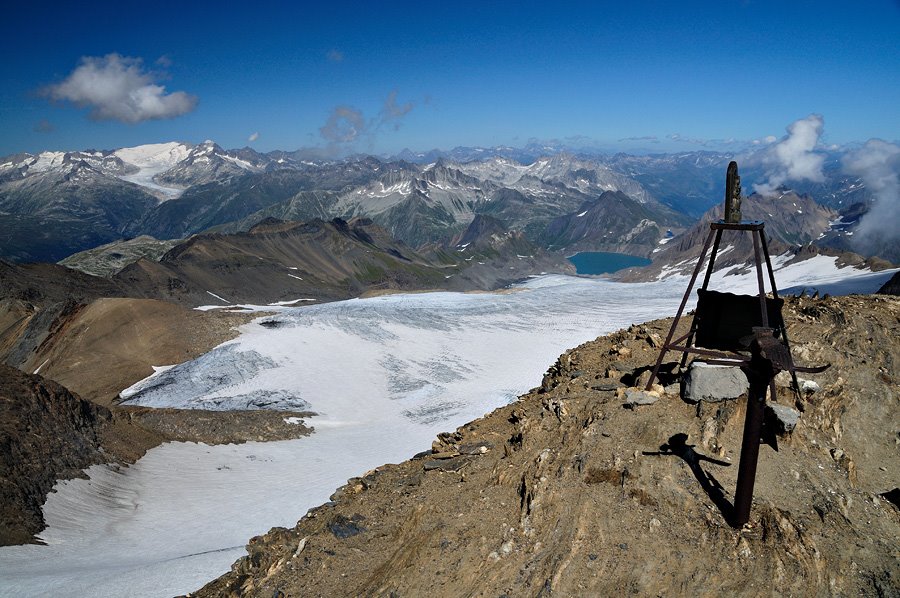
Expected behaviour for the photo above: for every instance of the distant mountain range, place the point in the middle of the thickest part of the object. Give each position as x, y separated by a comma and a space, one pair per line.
54, 204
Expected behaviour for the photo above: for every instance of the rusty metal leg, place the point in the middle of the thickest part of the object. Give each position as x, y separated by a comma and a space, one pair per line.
684, 300
757, 235
759, 280
743, 494
783, 327
765, 248
709, 270
712, 259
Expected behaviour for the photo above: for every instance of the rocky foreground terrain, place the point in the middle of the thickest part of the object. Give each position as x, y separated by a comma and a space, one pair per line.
574, 490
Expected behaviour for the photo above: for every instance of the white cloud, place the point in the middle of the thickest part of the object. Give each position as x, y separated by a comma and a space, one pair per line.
345, 124
392, 110
794, 157
117, 87
253, 137
877, 163
348, 125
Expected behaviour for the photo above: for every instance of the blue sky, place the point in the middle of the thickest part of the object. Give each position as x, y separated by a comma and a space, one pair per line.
436, 75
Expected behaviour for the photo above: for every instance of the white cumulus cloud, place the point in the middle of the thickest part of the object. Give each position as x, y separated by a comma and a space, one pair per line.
794, 157
877, 163
117, 87
253, 137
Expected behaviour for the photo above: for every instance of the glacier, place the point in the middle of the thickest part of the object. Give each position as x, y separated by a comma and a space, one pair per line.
384, 375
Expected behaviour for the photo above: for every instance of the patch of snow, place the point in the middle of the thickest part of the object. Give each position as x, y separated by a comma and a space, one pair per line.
291, 302
151, 160
582, 214
295, 276
47, 160
293, 420
239, 162
154, 155
38, 370
217, 297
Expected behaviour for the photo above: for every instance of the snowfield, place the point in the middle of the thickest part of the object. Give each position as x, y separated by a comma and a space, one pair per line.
151, 160
385, 375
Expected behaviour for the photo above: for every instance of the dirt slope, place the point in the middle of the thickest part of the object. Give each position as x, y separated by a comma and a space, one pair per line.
101, 348
568, 493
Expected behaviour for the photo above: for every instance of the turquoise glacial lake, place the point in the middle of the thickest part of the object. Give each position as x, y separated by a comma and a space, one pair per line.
602, 262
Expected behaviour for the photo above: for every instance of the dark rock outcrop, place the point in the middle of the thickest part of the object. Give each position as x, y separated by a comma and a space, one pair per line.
891, 287
46, 433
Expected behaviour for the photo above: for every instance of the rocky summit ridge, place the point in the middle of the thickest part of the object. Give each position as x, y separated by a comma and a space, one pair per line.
576, 489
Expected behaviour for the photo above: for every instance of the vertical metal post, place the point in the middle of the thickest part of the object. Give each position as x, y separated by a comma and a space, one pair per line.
760, 374
743, 494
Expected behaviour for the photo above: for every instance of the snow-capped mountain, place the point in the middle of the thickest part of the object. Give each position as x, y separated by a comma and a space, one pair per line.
419, 204
164, 169
55, 203
207, 162
583, 175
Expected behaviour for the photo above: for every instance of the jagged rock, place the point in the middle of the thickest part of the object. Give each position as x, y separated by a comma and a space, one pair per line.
607, 386
46, 433
475, 448
453, 464
444, 455
892, 286
643, 379
635, 396
713, 383
787, 417
346, 527
808, 386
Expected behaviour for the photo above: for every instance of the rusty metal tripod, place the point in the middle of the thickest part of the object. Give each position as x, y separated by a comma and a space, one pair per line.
726, 327
756, 229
